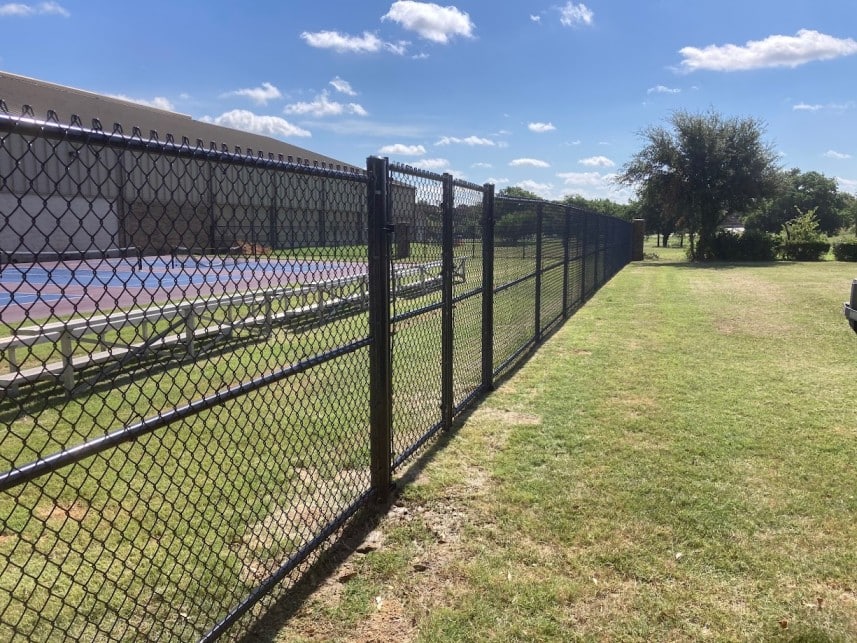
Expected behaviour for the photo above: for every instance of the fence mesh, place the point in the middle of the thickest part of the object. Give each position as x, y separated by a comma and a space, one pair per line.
187, 347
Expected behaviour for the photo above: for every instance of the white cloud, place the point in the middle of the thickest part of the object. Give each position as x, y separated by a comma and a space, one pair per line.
343, 43
158, 102
536, 18
576, 14
343, 86
597, 161
483, 165
815, 107
247, 121
259, 95
323, 106
421, 56
588, 179
528, 163
354, 127
594, 185
804, 107
544, 190
500, 181
20, 10
470, 140
431, 21
839, 156
576, 141
541, 128
399, 48
400, 149
662, 89
847, 185
432, 164
774, 51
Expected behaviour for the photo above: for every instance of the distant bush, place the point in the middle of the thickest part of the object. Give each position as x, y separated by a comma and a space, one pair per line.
791, 250
752, 245
845, 250
800, 239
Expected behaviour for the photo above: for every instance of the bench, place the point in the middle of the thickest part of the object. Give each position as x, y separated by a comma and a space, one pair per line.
422, 278
196, 319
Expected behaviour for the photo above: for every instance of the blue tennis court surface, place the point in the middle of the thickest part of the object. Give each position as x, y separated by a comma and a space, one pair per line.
155, 273
24, 298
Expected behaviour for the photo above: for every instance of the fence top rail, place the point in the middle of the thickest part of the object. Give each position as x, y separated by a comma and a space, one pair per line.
75, 131
401, 168
461, 183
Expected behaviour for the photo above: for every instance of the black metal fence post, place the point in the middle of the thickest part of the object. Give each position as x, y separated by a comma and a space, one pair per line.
447, 326
380, 365
540, 215
566, 242
584, 238
488, 288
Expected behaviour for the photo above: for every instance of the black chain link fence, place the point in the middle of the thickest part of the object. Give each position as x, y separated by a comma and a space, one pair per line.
211, 360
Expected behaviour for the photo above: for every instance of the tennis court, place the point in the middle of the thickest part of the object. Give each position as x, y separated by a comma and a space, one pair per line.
40, 290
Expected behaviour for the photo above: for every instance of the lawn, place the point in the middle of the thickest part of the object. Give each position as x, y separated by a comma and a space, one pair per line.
675, 463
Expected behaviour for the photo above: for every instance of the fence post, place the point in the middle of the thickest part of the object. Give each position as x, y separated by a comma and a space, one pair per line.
538, 304
488, 288
566, 242
447, 326
380, 356
584, 234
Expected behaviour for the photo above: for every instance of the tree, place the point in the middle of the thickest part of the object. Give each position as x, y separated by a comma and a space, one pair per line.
601, 206
702, 169
514, 192
801, 191
849, 211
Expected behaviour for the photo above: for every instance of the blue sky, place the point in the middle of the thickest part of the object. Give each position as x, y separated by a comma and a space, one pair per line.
548, 96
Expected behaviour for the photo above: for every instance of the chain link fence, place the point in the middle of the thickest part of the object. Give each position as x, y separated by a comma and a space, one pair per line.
210, 360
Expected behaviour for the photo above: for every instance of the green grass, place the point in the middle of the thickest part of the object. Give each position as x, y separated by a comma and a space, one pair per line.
167, 533
676, 463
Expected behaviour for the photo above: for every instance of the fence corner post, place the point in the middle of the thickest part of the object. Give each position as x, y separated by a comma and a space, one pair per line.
380, 356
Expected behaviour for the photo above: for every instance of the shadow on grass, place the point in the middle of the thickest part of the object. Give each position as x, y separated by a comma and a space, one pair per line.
344, 544
312, 576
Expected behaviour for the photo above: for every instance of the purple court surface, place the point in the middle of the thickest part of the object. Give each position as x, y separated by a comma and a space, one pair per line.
38, 291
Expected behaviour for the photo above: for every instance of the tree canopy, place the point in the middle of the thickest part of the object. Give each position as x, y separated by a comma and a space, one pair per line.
700, 170
602, 206
798, 192
515, 192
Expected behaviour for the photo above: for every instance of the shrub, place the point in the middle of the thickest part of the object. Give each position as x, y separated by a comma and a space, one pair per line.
791, 250
845, 250
753, 245
757, 245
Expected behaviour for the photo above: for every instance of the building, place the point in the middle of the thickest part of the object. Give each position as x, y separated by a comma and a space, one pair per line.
62, 196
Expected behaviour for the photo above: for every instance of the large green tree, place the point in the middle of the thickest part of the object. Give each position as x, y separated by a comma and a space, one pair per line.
799, 192
701, 169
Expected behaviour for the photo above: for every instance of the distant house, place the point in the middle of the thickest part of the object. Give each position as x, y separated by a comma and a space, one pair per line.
62, 197
733, 224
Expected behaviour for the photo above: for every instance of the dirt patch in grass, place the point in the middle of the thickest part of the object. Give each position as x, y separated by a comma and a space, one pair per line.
411, 564
62, 511
743, 303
